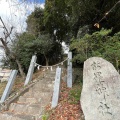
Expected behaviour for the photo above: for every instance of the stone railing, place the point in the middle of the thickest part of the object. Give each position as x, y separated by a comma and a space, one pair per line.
6, 99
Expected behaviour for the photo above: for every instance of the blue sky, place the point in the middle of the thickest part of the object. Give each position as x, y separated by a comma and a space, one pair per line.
36, 1
15, 14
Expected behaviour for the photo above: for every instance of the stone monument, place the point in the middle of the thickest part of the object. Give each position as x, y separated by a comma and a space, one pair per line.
100, 97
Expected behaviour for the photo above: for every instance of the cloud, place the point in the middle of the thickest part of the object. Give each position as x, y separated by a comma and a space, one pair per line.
14, 13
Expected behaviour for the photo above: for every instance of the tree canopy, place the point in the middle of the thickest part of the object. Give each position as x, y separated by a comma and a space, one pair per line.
35, 23
92, 11
77, 22
97, 44
26, 45
64, 19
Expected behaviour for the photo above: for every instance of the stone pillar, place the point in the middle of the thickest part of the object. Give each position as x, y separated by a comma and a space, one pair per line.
30, 70
9, 86
56, 92
69, 70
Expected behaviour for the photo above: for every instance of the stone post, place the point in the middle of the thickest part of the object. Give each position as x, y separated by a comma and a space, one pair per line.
69, 70
30, 70
9, 86
56, 88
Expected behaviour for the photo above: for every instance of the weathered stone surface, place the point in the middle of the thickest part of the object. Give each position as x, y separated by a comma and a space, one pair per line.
30, 70
69, 70
9, 85
56, 91
31, 105
100, 97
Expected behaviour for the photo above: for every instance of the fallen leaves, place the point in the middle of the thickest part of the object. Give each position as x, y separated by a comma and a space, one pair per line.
65, 110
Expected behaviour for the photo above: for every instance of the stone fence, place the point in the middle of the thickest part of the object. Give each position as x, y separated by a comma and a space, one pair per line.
11, 76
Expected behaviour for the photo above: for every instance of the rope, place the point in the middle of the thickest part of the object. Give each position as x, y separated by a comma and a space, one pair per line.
61, 63
106, 14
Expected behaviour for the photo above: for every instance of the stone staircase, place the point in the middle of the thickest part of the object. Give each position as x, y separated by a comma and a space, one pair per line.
30, 106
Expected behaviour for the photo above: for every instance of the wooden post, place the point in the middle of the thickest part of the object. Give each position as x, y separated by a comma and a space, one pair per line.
56, 88
9, 86
30, 70
69, 70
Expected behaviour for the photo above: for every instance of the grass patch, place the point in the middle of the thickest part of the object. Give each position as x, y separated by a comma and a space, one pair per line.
75, 92
45, 116
2, 87
19, 83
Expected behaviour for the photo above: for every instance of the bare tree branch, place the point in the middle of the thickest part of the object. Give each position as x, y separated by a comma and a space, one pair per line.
4, 25
7, 34
7, 50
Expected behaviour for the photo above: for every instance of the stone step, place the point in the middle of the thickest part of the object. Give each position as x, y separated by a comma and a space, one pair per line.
34, 109
21, 99
31, 104
52, 78
36, 98
40, 86
40, 89
37, 94
43, 101
12, 116
43, 89
18, 108
23, 117
44, 82
47, 80
46, 77
22, 108
29, 100
50, 75
50, 72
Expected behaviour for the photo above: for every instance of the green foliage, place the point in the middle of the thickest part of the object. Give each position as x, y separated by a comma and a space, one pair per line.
112, 50
45, 117
26, 45
98, 44
35, 22
56, 19
90, 12
74, 94
65, 19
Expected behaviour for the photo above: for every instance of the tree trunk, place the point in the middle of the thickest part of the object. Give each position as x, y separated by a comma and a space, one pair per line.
47, 61
20, 69
13, 57
8, 53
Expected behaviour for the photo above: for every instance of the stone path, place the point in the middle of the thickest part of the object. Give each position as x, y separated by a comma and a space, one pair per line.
30, 106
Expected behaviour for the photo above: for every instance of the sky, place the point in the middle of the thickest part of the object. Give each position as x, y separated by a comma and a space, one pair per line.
37, 1
14, 13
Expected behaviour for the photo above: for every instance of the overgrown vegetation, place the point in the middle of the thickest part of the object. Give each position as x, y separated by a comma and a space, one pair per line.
2, 87
71, 21
68, 106
26, 45
98, 44
74, 94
